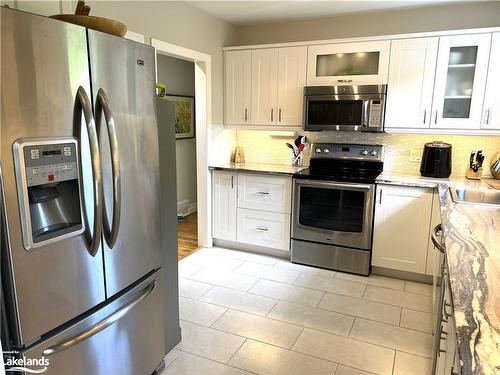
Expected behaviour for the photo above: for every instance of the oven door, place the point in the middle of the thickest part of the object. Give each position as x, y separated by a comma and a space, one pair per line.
334, 213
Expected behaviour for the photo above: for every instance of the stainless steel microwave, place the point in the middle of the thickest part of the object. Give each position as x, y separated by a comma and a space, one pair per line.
348, 108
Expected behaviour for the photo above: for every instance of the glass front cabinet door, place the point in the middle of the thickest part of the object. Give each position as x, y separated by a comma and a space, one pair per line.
461, 72
361, 63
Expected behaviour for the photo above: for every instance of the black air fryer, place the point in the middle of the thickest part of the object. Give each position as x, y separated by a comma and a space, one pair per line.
436, 160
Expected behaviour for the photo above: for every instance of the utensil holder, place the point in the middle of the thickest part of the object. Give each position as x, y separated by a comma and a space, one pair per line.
471, 175
298, 160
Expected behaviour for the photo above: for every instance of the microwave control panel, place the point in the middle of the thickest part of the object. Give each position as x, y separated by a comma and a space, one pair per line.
50, 163
375, 113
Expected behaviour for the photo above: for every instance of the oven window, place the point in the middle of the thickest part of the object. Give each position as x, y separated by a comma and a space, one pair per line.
332, 209
335, 112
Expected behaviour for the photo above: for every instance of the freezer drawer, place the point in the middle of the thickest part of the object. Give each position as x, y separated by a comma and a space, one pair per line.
134, 344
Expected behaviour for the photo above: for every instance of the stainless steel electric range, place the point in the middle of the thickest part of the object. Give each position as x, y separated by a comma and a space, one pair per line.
333, 203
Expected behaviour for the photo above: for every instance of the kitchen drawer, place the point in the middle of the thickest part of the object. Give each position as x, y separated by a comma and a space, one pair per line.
268, 229
266, 193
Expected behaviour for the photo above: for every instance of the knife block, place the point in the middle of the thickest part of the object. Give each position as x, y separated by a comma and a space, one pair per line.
471, 175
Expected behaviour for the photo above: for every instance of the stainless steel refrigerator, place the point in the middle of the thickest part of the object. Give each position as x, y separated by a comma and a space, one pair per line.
81, 254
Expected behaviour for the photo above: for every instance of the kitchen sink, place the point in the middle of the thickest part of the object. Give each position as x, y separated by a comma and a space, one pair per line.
475, 196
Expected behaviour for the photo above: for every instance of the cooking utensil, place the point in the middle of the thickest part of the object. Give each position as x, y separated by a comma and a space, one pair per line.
298, 140
79, 7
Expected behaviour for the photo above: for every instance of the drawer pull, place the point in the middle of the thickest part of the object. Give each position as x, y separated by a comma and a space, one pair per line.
260, 229
262, 193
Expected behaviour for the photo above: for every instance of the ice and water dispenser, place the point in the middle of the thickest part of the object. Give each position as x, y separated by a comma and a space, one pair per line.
47, 175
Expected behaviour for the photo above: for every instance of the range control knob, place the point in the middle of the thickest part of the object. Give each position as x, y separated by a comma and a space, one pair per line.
374, 153
364, 152
326, 151
318, 151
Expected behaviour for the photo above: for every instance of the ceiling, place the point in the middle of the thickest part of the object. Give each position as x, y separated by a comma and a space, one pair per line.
250, 12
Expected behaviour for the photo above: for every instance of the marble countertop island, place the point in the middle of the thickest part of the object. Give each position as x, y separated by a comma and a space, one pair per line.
472, 239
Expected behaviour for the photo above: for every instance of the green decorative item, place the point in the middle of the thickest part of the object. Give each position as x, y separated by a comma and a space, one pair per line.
162, 89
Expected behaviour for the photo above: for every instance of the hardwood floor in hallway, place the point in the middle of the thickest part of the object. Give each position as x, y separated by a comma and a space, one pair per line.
188, 236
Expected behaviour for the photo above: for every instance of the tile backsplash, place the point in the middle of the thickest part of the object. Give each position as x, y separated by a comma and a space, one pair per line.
263, 147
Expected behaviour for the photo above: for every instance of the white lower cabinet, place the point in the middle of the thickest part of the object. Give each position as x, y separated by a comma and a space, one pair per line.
267, 229
224, 205
252, 208
402, 227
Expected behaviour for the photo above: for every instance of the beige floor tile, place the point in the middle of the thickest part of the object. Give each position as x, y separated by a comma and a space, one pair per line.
398, 298
244, 256
237, 300
346, 351
286, 292
286, 264
188, 364
267, 359
382, 281
171, 356
361, 308
199, 312
213, 261
398, 338
268, 272
224, 278
192, 289
408, 364
311, 317
332, 285
344, 370
187, 269
418, 288
209, 343
418, 320
259, 328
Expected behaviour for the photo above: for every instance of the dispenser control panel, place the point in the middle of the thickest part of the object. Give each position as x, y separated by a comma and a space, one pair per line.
48, 187
50, 163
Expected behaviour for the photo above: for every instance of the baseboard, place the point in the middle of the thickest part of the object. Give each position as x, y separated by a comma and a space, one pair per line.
427, 279
252, 248
192, 208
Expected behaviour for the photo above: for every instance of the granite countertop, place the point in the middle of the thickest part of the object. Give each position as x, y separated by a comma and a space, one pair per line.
472, 239
415, 180
257, 167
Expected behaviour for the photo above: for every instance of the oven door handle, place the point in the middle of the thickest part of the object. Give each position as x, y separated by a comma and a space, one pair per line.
333, 185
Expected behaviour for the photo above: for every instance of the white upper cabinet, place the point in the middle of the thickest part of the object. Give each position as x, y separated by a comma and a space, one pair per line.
411, 83
291, 82
461, 71
491, 110
348, 63
264, 86
238, 84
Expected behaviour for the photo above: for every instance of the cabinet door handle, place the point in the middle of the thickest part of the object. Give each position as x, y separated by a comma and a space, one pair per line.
262, 193
425, 115
272, 114
232, 182
436, 117
380, 199
260, 229
488, 114
344, 80
438, 229
246, 115
279, 115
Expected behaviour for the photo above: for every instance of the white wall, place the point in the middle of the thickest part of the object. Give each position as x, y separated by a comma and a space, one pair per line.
397, 21
178, 75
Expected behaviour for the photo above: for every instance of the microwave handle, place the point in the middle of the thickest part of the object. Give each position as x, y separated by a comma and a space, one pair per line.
366, 111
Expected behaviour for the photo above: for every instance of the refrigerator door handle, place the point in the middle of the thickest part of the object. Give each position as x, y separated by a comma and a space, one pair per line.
101, 325
82, 104
102, 105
